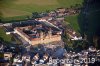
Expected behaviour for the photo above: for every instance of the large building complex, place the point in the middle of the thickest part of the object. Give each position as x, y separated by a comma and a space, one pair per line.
39, 34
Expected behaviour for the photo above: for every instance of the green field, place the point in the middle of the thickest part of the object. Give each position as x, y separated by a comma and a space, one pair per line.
73, 20
12, 8
3, 35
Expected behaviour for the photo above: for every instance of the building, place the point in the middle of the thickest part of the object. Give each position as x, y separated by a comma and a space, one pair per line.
4, 64
7, 55
39, 34
61, 10
73, 35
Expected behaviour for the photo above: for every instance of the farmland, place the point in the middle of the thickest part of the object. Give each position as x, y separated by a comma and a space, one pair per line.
14, 8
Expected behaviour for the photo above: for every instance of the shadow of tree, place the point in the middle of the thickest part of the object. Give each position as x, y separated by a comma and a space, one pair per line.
88, 20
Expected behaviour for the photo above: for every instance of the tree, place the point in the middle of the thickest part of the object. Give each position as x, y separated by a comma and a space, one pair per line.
1, 39
35, 15
1, 17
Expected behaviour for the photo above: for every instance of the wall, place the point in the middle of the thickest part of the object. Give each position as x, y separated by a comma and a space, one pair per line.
24, 36
42, 40
46, 40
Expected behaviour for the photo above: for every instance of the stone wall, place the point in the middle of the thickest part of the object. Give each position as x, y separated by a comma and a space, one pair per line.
42, 40
46, 40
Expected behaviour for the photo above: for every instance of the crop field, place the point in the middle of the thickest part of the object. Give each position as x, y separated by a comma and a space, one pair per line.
12, 8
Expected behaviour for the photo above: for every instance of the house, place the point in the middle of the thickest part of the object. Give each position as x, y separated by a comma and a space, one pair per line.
47, 18
7, 55
26, 57
60, 10
35, 59
4, 64
73, 35
92, 49
44, 59
18, 61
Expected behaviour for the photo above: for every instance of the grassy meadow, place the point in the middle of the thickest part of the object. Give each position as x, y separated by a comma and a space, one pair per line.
73, 21
3, 35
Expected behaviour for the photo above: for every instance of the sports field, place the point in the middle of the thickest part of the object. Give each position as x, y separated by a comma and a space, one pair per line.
12, 8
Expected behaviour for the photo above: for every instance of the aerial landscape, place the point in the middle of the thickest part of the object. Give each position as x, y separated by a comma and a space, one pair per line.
49, 32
